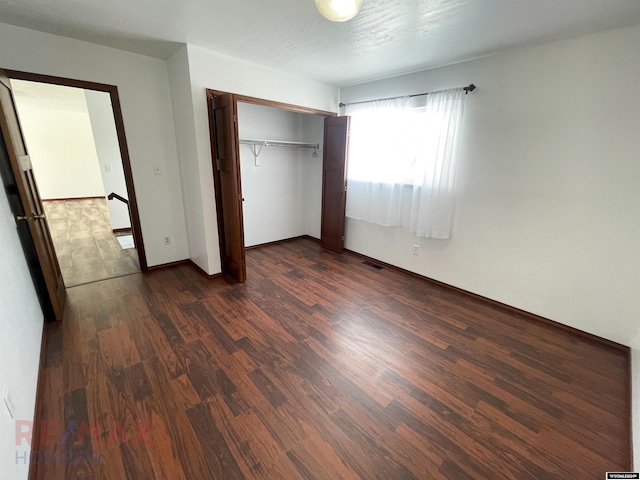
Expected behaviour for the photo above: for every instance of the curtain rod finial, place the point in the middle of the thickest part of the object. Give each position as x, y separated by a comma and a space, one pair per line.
470, 88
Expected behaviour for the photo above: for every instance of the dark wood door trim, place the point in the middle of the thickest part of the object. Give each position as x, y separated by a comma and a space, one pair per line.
112, 90
211, 94
270, 103
284, 106
227, 167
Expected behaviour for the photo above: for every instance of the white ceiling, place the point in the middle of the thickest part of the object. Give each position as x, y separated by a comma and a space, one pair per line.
386, 38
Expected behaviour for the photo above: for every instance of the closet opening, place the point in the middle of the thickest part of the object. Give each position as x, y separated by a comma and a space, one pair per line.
271, 177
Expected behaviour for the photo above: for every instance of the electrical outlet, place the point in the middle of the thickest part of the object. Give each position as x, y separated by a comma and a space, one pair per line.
9, 403
157, 170
167, 240
416, 249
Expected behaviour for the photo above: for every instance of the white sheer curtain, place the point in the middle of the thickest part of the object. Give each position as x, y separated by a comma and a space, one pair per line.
377, 169
402, 161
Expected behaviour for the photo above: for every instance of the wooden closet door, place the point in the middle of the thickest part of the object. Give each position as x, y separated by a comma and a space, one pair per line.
228, 187
30, 210
334, 182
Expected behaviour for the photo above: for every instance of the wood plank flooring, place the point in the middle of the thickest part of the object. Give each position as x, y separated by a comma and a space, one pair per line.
320, 367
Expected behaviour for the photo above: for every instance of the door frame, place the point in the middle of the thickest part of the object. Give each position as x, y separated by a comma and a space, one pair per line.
112, 90
211, 94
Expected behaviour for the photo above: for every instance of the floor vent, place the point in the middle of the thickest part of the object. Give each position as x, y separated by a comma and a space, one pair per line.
372, 265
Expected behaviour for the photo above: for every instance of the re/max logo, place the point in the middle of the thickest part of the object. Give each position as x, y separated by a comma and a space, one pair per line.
65, 457
75, 434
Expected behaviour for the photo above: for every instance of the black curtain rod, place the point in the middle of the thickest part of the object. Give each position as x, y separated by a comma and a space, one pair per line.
470, 88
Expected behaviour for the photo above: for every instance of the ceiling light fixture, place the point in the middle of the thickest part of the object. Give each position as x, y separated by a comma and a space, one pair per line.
339, 10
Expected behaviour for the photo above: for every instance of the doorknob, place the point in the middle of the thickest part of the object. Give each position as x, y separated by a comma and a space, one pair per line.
35, 216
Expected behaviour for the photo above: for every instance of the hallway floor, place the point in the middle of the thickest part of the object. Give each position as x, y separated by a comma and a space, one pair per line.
86, 246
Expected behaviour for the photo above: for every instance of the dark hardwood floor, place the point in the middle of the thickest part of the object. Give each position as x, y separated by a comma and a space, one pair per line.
320, 367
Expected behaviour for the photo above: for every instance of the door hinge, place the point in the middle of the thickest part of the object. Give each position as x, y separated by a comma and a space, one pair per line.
218, 164
235, 119
343, 238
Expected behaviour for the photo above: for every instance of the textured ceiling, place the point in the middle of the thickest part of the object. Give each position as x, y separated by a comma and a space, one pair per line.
387, 37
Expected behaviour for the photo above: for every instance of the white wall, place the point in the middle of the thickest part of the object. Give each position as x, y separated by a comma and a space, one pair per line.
272, 191
211, 70
143, 86
182, 101
57, 131
547, 186
312, 132
21, 320
107, 148
279, 191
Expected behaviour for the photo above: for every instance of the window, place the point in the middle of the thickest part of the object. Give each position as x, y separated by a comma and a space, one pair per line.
402, 161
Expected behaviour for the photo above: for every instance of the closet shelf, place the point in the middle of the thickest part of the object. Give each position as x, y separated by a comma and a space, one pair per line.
257, 145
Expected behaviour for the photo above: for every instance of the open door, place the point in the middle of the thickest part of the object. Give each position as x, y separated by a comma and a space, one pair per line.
334, 182
31, 205
228, 186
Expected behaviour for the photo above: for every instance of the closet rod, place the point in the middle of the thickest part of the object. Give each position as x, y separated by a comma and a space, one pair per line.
469, 88
278, 143
257, 145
